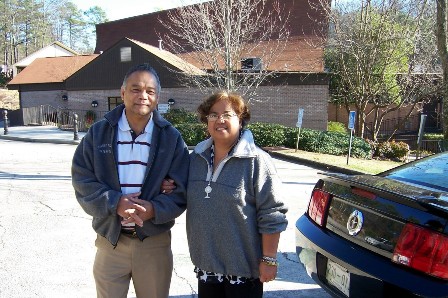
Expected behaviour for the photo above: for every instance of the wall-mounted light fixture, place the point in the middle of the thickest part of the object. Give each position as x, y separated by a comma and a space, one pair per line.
171, 101
64, 97
94, 103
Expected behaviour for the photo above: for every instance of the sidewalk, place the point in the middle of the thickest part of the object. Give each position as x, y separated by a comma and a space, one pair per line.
41, 134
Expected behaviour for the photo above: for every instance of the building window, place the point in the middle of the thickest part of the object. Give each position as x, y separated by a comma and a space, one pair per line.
125, 54
113, 102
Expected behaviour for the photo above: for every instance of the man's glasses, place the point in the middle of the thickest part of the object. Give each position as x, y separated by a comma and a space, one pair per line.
225, 116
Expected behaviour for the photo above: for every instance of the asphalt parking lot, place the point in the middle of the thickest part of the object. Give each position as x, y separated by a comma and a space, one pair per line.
46, 239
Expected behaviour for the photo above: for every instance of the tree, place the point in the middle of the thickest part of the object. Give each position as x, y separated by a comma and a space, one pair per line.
379, 58
216, 35
28, 25
71, 25
443, 54
92, 16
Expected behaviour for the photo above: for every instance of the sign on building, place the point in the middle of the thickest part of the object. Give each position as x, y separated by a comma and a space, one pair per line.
163, 108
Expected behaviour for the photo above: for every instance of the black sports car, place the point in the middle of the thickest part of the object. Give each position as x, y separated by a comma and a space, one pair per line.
382, 235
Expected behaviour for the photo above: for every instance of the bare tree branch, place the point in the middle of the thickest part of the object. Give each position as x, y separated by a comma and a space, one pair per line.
216, 35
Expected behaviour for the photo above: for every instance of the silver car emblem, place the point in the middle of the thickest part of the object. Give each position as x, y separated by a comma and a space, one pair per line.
354, 223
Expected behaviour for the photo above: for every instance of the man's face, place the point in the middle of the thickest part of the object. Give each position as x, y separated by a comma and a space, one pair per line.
140, 94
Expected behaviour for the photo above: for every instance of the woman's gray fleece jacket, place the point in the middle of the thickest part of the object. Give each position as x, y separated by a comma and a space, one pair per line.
96, 181
224, 231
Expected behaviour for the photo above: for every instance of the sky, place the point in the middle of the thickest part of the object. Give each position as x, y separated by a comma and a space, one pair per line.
119, 9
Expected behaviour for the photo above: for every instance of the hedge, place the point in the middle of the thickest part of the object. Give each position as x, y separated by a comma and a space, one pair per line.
275, 135
335, 143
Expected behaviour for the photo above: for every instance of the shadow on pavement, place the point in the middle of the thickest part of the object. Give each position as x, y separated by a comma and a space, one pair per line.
5, 175
305, 293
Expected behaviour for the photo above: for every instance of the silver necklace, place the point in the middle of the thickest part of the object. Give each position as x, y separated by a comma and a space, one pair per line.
208, 189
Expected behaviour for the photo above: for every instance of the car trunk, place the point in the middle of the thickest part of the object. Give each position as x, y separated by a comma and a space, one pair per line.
372, 211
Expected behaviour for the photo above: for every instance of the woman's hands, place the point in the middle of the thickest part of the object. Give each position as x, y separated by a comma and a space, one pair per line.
267, 272
268, 264
167, 186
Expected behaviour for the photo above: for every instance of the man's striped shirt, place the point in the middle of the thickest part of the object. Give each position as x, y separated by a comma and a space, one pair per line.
133, 154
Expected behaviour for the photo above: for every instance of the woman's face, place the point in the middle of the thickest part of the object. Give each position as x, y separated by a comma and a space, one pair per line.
223, 123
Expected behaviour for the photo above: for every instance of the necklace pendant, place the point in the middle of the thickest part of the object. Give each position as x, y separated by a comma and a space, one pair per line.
208, 189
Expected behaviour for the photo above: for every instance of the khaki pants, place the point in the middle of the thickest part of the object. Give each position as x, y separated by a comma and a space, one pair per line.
149, 263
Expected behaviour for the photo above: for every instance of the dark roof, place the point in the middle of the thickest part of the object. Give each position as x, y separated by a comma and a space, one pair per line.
51, 70
108, 70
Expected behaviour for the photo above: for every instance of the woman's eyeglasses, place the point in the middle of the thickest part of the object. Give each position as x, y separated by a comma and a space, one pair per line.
225, 116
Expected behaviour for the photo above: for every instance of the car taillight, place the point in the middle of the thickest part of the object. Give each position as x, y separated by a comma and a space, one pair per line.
422, 249
318, 206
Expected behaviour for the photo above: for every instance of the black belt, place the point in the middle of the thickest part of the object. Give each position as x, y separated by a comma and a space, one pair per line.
130, 233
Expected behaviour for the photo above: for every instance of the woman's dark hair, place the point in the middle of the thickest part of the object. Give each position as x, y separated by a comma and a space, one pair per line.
236, 100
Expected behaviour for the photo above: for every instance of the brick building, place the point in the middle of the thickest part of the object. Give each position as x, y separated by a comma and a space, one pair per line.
304, 84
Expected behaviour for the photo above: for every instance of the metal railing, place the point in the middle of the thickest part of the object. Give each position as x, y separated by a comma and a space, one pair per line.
388, 126
60, 117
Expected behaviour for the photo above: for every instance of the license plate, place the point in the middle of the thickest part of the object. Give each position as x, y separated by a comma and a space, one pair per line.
338, 276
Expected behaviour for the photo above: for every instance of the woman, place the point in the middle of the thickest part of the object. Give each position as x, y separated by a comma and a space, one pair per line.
234, 212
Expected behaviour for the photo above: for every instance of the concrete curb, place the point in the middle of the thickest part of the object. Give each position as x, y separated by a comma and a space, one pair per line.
31, 140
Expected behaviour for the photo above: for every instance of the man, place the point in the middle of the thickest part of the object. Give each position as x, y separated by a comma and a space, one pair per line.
117, 171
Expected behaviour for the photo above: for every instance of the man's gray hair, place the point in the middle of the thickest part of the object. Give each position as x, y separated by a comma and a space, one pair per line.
142, 67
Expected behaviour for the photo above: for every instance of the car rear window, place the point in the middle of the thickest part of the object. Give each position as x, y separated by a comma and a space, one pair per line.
431, 172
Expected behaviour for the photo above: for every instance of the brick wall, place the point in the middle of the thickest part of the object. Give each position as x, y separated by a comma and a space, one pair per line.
37, 98
275, 104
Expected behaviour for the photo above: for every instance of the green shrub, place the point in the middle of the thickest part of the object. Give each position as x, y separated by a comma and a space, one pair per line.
392, 150
273, 135
433, 136
336, 127
361, 148
327, 142
290, 137
188, 124
4, 79
89, 118
178, 116
309, 140
192, 133
267, 134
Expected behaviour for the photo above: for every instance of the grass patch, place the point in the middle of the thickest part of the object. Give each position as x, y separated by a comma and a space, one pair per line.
370, 166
